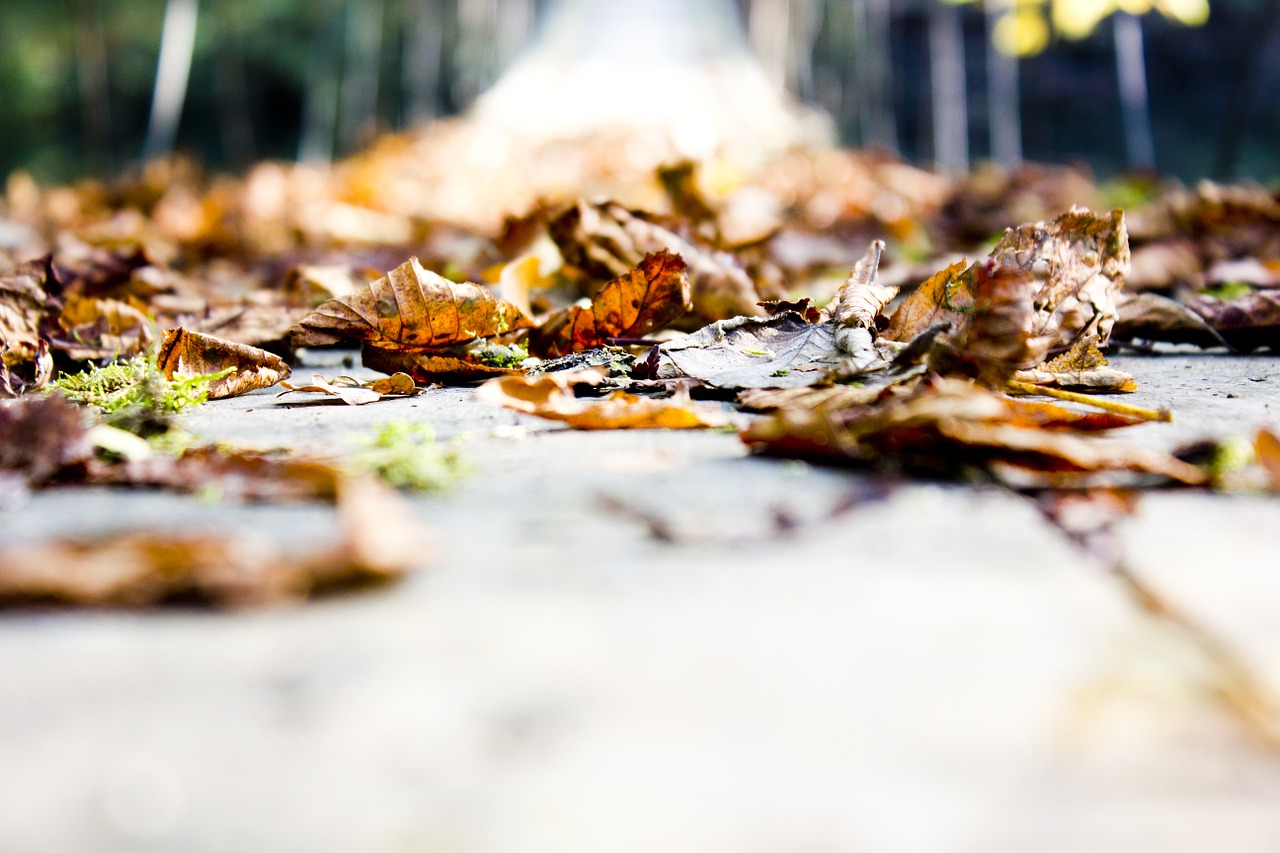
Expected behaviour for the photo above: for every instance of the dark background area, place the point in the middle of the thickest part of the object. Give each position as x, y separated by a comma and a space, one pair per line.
77, 78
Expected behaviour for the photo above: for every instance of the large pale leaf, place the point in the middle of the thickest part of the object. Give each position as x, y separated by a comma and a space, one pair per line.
410, 307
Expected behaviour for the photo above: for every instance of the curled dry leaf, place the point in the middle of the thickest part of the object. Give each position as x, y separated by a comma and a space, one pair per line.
93, 328
24, 356
790, 349
1081, 368
949, 426
1247, 322
551, 396
39, 437
1043, 287
352, 391
479, 359
1151, 317
410, 308
185, 353
607, 240
379, 540
645, 298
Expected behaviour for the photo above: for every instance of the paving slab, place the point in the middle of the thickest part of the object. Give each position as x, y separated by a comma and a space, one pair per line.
650, 640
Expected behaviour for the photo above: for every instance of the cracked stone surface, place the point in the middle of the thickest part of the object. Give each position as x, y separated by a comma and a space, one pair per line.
638, 641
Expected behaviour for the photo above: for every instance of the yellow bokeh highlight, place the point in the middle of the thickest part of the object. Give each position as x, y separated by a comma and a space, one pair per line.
1022, 28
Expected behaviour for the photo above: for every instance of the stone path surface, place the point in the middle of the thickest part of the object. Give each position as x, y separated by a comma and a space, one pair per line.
614, 645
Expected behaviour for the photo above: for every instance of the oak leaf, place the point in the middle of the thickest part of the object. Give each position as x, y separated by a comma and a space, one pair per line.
24, 356
644, 298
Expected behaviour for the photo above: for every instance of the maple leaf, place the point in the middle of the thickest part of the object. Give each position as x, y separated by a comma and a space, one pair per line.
550, 395
410, 308
187, 354
645, 298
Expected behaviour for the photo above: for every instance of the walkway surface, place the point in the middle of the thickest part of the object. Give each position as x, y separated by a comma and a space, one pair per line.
615, 646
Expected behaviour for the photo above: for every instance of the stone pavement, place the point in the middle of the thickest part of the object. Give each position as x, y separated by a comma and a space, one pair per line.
614, 647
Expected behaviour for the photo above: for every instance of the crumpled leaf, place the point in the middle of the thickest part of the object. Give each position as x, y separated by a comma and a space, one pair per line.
95, 328
478, 359
645, 298
1247, 322
606, 241
380, 540
40, 436
24, 356
1152, 317
787, 350
185, 353
410, 308
1043, 287
950, 426
550, 395
1081, 368
352, 391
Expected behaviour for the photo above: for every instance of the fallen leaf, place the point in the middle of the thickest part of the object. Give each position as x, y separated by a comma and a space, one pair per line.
606, 241
1247, 322
94, 328
354, 392
410, 308
645, 298
478, 359
791, 349
24, 356
225, 568
551, 396
1067, 274
187, 354
1152, 317
41, 436
1081, 368
948, 426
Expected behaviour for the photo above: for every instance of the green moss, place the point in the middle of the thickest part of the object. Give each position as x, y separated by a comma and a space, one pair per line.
497, 355
134, 395
407, 456
1228, 290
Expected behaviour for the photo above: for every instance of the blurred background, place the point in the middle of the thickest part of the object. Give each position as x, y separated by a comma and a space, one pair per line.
94, 86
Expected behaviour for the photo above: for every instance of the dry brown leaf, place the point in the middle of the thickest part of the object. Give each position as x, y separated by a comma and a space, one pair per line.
948, 426
24, 357
40, 436
354, 392
1070, 271
645, 298
410, 308
1266, 447
451, 365
550, 395
94, 328
607, 240
235, 568
1081, 368
185, 353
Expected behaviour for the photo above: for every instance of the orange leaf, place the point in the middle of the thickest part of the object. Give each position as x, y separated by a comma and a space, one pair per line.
551, 396
645, 298
410, 307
